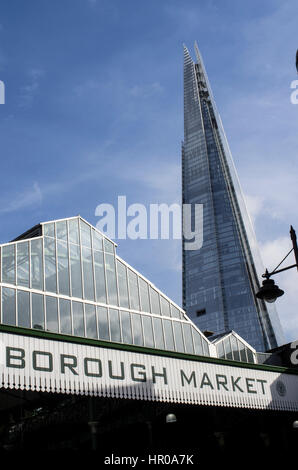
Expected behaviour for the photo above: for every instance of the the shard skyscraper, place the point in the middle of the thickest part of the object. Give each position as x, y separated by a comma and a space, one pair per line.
221, 278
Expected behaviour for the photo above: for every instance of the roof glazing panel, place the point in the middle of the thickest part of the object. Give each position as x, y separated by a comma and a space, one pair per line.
69, 280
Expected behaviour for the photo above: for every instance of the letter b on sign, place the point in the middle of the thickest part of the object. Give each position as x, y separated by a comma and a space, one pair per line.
15, 357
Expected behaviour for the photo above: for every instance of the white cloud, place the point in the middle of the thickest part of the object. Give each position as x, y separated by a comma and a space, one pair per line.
274, 251
254, 206
266, 39
87, 86
157, 173
162, 177
27, 198
30, 89
272, 190
146, 91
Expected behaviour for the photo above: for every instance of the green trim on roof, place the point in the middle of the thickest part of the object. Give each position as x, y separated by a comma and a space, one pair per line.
140, 349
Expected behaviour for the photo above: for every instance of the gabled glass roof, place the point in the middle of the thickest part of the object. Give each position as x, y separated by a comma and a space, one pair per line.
64, 276
230, 345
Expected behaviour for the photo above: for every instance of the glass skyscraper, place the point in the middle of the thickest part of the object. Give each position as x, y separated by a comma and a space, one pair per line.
219, 279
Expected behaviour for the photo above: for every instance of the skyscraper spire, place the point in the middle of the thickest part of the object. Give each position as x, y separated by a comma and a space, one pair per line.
221, 278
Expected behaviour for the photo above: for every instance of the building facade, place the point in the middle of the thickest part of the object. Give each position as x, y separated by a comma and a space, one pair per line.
65, 292
65, 277
219, 279
92, 354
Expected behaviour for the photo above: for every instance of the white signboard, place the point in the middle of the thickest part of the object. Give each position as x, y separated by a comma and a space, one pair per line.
64, 367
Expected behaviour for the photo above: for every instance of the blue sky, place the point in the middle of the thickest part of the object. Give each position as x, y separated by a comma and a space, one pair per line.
94, 109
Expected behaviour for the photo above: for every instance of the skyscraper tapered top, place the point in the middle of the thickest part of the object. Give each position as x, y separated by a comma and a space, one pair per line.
219, 279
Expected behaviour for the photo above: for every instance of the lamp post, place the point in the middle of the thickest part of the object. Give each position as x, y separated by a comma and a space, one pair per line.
269, 291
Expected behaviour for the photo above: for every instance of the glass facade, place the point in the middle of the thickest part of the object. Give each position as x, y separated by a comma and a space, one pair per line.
231, 346
220, 278
69, 280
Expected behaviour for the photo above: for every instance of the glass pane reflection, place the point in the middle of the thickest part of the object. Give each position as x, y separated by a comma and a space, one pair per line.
8, 264
145, 305
148, 331
65, 316
111, 279
61, 230
37, 307
158, 333
88, 274
75, 268
78, 319
155, 307
52, 313
23, 309
103, 323
169, 335
188, 339
23, 264
100, 284
122, 284
91, 324
63, 269
114, 325
137, 329
73, 230
50, 264
133, 290
97, 241
178, 336
234, 345
49, 229
8, 306
197, 342
165, 307
36, 264
126, 327
85, 234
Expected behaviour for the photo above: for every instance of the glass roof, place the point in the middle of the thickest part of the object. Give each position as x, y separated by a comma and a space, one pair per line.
65, 277
231, 346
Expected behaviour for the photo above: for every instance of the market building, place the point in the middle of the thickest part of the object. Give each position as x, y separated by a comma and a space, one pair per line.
90, 348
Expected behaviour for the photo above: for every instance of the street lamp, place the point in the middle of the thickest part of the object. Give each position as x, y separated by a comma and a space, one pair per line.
269, 291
